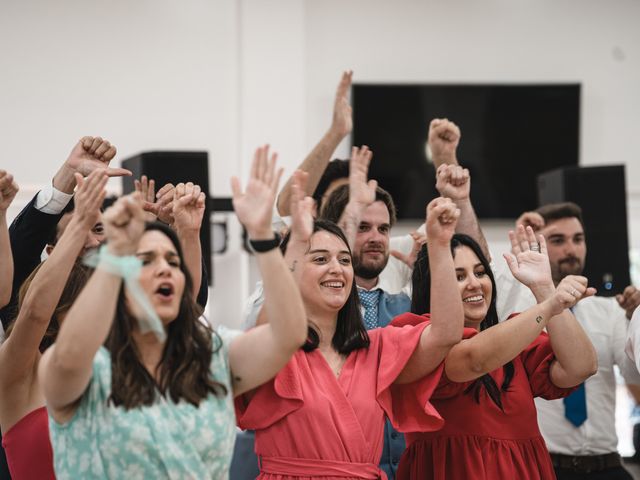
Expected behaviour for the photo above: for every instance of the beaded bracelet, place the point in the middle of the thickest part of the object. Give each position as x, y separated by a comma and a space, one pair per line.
128, 267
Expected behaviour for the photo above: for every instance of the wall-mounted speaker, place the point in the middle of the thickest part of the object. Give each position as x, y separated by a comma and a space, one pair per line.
601, 193
175, 167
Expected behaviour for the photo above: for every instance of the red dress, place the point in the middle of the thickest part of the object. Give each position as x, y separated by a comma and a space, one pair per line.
28, 447
309, 423
478, 440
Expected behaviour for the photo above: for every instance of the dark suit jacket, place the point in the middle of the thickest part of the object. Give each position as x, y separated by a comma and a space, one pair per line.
29, 233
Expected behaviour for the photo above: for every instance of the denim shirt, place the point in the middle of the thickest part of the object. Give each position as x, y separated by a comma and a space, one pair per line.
389, 306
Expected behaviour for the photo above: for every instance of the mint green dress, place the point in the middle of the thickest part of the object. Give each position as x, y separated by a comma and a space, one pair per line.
164, 440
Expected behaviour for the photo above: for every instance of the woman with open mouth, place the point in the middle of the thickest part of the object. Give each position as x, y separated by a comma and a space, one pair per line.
492, 376
136, 384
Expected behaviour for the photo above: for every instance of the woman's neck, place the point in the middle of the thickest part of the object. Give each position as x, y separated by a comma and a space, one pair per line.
326, 323
150, 350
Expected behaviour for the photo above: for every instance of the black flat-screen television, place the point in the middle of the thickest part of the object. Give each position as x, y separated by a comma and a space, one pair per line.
510, 134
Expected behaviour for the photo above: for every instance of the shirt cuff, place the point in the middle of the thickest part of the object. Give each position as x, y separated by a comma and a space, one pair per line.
51, 200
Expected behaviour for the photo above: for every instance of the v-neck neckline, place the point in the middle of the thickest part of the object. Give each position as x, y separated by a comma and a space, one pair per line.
340, 378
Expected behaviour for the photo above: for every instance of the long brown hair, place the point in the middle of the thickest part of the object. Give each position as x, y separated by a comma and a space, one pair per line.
78, 277
185, 367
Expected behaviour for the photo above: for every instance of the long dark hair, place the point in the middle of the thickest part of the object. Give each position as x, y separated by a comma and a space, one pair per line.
75, 282
421, 301
350, 333
184, 369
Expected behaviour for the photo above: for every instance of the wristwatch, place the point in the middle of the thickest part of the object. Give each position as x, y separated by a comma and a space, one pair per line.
262, 246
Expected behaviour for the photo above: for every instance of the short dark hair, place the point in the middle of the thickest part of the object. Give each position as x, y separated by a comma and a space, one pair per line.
421, 303
335, 170
185, 367
337, 201
558, 211
350, 332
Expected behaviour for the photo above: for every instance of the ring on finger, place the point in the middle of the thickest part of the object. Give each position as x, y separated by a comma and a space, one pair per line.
574, 292
534, 247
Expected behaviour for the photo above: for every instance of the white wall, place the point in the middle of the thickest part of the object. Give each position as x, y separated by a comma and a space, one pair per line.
225, 76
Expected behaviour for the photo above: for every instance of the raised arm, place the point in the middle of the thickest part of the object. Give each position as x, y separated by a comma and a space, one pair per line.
362, 193
576, 358
454, 182
89, 154
65, 368
447, 315
443, 139
36, 223
318, 159
20, 351
257, 355
8, 190
492, 348
188, 211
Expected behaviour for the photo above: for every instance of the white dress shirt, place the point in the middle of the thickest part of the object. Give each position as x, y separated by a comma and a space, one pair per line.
605, 323
51, 200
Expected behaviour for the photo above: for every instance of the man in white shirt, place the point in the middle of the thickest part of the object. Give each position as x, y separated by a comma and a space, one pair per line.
42, 221
580, 430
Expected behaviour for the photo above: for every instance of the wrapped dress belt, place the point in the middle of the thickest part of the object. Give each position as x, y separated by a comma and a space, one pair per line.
311, 466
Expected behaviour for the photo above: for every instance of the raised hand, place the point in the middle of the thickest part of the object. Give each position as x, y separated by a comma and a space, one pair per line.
301, 208
254, 206
92, 153
88, 198
419, 239
188, 207
444, 137
362, 193
147, 189
569, 291
531, 219
124, 224
342, 113
164, 203
453, 181
529, 261
442, 217
8, 190
629, 300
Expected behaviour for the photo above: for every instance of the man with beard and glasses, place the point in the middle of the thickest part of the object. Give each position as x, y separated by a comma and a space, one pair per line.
580, 430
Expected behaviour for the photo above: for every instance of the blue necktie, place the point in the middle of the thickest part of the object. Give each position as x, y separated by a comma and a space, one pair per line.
369, 300
575, 406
